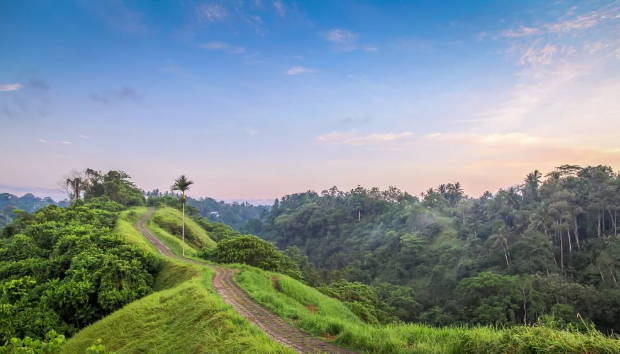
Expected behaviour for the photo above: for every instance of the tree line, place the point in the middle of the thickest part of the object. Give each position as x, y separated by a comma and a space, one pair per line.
546, 248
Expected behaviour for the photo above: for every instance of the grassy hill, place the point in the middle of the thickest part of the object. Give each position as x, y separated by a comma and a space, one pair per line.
125, 226
207, 324
310, 310
166, 224
185, 316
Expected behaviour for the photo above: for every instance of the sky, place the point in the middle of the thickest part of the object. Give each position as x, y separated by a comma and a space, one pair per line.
256, 99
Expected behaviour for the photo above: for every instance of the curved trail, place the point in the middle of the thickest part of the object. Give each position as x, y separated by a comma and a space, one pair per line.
271, 324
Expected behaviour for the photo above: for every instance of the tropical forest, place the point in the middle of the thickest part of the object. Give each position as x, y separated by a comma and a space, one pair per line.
529, 269
310, 177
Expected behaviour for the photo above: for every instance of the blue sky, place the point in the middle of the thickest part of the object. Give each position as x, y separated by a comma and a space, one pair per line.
256, 99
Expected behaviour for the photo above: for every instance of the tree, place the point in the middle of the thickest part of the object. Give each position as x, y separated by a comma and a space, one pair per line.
182, 184
73, 184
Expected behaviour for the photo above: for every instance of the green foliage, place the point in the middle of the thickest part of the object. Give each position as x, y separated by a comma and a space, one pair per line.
52, 345
313, 312
9, 203
361, 299
115, 185
253, 251
548, 246
238, 215
63, 268
170, 221
185, 316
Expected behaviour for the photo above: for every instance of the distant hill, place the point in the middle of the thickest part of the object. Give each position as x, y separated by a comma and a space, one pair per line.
28, 202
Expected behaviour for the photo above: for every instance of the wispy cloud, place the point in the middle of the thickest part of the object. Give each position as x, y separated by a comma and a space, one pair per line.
252, 132
42, 141
351, 138
222, 46
570, 22
489, 139
342, 39
29, 99
538, 53
298, 57
65, 142
125, 93
565, 89
371, 48
83, 136
520, 32
211, 12
10, 87
296, 70
280, 8
581, 22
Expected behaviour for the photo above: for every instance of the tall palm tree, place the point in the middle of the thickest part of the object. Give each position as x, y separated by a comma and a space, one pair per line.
182, 184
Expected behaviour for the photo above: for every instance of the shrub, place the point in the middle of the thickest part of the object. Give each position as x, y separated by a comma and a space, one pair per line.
253, 251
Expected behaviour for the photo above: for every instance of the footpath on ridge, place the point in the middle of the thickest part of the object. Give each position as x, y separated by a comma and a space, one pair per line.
270, 323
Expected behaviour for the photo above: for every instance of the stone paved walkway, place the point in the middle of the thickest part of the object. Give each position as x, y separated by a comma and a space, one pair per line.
271, 324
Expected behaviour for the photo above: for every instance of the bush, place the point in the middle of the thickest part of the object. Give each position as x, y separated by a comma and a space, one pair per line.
253, 251
63, 269
54, 345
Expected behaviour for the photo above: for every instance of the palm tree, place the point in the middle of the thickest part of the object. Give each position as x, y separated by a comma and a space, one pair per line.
182, 184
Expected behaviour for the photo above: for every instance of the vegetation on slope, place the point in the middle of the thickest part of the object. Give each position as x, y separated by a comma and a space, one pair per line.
125, 227
548, 247
217, 231
253, 251
63, 268
314, 312
28, 202
189, 317
234, 214
170, 221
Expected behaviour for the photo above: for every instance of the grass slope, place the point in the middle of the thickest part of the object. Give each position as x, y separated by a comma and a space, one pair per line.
125, 226
331, 319
172, 216
188, 317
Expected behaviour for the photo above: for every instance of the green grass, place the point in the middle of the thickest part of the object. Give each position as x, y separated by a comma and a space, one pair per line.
125, 226
175, 217
188, 317
169, 240
333, 318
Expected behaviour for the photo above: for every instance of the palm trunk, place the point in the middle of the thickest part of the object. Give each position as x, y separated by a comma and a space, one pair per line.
570, 243
598, 219
612, 275
613, 220
183, 230
561, 252
524, 308
601, 272
576, 231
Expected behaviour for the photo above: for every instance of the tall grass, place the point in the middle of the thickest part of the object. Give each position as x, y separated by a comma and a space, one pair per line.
333, 320
189, 317
174, 243
125, 226
174, 216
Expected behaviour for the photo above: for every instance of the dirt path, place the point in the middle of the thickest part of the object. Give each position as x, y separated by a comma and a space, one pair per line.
273, 325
